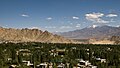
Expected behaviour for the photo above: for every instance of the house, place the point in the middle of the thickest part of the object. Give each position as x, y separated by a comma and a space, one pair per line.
24, 52
9, 59
61, 65
13, 66
27, 63
85, 63
50, 65
42, 65
91, 66
101, 60
60, 51
74, 48
68, 65
57, 52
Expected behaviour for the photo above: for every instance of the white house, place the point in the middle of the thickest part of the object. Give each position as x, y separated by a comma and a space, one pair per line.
101, 60
42, 65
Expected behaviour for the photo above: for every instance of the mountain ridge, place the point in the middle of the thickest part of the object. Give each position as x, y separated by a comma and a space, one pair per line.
30, 35
98, 32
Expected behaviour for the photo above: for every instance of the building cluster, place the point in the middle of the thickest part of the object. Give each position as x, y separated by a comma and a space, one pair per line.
55, 53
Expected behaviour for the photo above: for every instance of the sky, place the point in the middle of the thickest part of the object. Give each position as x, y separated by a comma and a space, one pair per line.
59, 15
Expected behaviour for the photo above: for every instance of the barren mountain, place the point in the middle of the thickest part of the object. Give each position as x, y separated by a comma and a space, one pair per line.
98, 32
30, 35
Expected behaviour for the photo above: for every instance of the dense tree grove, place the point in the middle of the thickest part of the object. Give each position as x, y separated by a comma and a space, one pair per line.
36, 53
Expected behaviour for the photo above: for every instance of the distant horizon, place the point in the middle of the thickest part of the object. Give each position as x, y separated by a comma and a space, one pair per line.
58, 15
58, 32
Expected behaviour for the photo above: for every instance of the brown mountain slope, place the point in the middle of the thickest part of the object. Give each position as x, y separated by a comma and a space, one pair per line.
30, 35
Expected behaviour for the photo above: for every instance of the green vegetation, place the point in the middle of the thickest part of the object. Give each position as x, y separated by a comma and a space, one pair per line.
36, 53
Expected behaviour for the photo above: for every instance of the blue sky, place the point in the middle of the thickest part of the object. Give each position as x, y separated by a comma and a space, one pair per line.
59, 15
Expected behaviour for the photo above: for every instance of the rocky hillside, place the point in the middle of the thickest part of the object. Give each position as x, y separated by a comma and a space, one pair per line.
116, 39
30, 35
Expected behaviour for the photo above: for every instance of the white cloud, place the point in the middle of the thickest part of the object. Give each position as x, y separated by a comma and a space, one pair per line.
75, 17
96, 17
78, 25
50, 27
111, 15
65, 27
49, 18
99, 20
25, 15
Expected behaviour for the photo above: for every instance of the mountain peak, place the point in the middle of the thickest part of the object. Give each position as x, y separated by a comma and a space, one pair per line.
93, 26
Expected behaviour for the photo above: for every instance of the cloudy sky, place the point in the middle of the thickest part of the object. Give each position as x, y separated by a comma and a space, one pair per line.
59, 15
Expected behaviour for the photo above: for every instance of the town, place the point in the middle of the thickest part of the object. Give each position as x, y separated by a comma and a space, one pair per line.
51, 55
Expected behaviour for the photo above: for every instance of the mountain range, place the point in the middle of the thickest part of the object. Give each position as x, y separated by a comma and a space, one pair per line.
36, 35
30, 35
97, 32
